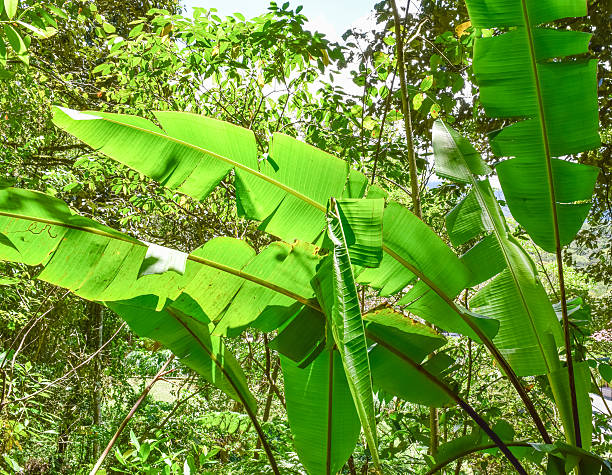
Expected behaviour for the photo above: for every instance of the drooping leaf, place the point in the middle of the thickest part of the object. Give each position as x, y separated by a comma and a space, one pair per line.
412, 248
224, 281
399, 338
336, 291
557, 101
288, 192
191, 341
321, 413
303, 338
515, 296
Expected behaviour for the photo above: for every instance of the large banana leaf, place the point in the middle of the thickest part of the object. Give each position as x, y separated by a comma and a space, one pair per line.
515, 296
530, 331
337, 293
193, 153
528, 73
224, 282
322, 416
288, 192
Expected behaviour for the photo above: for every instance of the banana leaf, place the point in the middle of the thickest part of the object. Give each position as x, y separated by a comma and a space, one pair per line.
515, 296
321, 413
288, 192
528, 73
336, 291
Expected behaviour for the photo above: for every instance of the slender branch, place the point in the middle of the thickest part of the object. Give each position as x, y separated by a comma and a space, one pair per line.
83, 363
162, 372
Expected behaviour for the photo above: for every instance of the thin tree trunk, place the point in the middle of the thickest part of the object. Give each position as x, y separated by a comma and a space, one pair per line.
98, 312
412, 168
434, 426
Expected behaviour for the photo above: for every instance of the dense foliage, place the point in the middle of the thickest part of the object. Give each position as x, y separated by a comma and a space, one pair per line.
188, 287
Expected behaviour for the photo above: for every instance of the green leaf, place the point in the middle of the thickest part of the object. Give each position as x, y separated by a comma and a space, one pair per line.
417, 101
10, 7
134, 440
605, 370
515, 296
288, 192
15, 40
303, 338
108, 28
399, 338
558, 103
144, 451
362, 223
336, 291
323, 419
3, 53
295, 181
223, 282
46, 33
191, 341
427, 82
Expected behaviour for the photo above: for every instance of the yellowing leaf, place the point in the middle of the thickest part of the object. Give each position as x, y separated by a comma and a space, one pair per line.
460, 29
325, 57
417, 101
434, 111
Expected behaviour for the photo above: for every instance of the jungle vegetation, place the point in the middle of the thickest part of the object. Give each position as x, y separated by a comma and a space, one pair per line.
232, 245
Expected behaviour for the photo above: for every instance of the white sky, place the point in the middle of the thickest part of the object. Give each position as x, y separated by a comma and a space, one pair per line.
332, 17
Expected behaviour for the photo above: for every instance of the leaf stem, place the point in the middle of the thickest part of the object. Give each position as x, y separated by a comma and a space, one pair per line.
455, 397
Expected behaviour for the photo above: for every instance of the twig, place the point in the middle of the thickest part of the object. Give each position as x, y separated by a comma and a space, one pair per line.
162, 372
52, 383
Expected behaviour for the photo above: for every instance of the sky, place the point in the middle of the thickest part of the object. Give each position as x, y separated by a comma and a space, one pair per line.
332, 17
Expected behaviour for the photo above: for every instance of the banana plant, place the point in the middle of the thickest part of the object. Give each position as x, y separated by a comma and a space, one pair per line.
554, 96
529, 331
183, 299
288, 192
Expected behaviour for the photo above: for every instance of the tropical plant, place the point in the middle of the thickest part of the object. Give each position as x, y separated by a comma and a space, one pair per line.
334, 357
556, 96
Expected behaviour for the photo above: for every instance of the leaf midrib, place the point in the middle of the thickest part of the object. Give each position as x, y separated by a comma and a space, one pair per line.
543, 126
206, 262
498, 236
